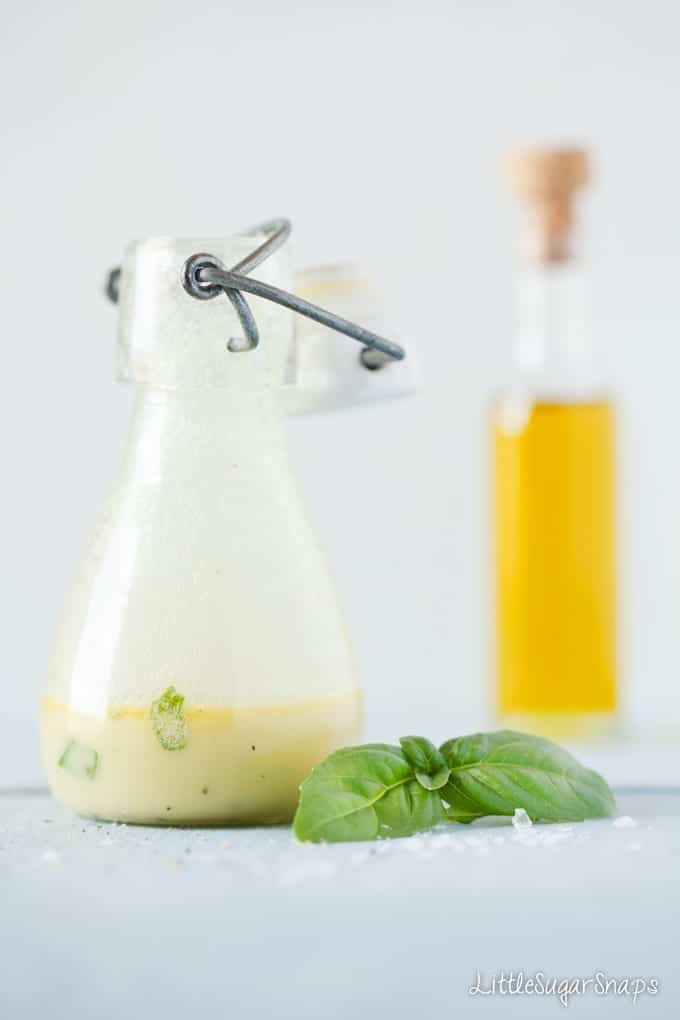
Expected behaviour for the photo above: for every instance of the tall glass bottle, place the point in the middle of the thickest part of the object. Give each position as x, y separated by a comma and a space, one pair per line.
202, 665
554, 436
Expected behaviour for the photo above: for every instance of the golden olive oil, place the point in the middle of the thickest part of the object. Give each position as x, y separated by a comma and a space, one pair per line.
555, 567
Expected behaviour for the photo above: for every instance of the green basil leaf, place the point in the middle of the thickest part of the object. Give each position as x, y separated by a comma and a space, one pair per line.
422, 754
461, 807
495, 773
427, 760
408, 809
436, 781
361, 793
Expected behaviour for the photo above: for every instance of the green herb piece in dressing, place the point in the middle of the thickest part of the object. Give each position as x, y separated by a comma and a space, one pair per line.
167, 718
79, 759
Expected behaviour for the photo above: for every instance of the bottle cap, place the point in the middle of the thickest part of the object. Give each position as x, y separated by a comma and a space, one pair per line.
168, 339
547, 179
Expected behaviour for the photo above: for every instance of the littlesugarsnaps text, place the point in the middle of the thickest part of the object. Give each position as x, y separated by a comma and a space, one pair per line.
517, 983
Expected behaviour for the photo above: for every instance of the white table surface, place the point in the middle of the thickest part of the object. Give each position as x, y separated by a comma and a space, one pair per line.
101, 921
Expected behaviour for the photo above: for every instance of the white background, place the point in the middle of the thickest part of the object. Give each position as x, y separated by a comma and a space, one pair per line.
377, 127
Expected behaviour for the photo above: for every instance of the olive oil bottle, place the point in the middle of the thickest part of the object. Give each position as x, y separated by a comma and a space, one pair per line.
554, 457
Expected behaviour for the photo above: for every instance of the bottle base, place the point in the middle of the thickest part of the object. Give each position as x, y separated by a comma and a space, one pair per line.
235, 765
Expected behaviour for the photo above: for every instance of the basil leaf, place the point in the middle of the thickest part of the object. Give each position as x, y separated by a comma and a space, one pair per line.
436, 781
379, 790
361, 793
422, 754
408, 809
495, 773
431, 770
461, 807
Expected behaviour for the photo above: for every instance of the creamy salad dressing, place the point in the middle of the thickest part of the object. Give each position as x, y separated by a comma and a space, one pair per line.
237, 765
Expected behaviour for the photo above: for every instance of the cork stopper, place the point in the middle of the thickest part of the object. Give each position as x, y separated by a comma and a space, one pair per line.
547, 180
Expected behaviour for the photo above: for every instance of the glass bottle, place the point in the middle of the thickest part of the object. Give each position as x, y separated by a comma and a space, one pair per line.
202, 666
554, 439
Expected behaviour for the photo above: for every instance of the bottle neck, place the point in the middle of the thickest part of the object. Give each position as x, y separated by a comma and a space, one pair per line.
553, 353
203, 433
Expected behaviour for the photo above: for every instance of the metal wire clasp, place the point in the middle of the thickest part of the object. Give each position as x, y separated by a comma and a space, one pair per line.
204, 276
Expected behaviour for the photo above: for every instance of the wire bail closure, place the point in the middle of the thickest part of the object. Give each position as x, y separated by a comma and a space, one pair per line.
204, 277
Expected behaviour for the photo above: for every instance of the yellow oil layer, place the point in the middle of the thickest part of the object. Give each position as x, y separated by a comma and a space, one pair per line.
555, 566
238, 766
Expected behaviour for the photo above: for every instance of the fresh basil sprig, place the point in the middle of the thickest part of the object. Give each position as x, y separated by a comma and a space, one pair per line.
379, 791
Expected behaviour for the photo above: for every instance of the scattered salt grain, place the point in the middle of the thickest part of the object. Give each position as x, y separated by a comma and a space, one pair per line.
414, 845
226, 844
634, 847
526, 837
359, 857
50, 856
309, 870
440, 841
521, 820
550, 838
625, 822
